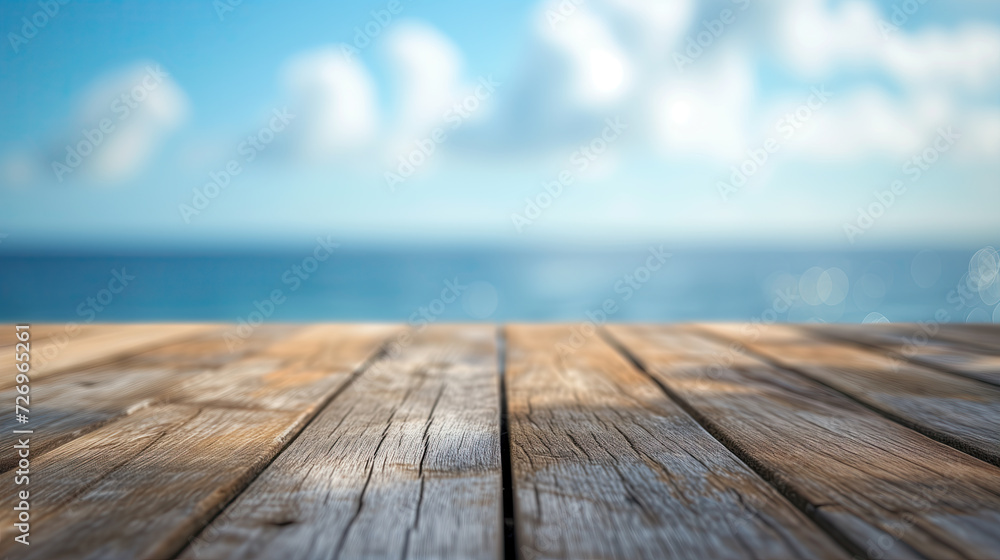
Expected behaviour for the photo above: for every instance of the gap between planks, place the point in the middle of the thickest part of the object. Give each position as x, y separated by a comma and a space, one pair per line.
508, 511
955, 410
405, 461
812, 443
139, 531
922, 346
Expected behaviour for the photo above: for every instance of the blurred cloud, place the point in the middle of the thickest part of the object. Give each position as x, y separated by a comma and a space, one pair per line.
705, 111
587, 61
427, 69
334, 100
653, 26
969, 58
818, 39
567, 67
869, 123
612, 57
120, 122
597, 69
148, 105
939, 74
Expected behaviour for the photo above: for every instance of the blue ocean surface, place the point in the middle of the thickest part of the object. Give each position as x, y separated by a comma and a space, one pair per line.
641, 284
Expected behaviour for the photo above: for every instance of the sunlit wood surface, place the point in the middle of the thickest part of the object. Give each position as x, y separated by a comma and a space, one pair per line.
507, 441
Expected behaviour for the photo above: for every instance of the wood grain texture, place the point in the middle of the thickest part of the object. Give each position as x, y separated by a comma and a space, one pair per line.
882, 489
292, 373
962, 412
150, 503
155, 441
41, 333
605, 465
85, 347
70, 470
70, 403
921, 345
148, 507
983, 336
405, 462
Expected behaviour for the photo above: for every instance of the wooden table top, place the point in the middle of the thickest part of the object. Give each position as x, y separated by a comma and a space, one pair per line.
506, 441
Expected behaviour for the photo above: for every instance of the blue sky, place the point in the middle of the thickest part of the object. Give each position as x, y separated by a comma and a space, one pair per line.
561, 72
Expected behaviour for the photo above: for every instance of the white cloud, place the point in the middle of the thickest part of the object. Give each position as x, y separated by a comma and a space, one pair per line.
866, 123
939, 73
981, 135
611, 58
594, 61
579, 69
705, 111
335, 97
969, 57
151, 106
817, 40
659, 23
334, 100
118, 126
596, 67
427, 67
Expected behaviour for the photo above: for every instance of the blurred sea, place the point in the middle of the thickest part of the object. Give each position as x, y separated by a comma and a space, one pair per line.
506, 286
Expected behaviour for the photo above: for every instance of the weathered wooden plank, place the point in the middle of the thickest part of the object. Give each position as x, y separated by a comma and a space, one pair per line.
69, 470
47, 340
882, 489
290, 373
150, 505
986, 337
63, 353
69, 403
962, 412
919, 344
606, 465
42, 332
405, 462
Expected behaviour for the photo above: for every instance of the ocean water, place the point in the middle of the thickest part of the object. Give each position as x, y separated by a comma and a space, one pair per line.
468, 285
